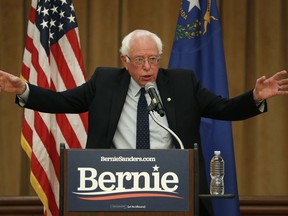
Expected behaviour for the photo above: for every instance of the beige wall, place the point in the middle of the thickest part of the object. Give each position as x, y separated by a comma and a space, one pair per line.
254, 33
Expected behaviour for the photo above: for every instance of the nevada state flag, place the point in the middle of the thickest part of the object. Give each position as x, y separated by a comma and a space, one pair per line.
198, 46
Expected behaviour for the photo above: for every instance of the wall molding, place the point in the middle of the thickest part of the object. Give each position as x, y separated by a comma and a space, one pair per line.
249, 205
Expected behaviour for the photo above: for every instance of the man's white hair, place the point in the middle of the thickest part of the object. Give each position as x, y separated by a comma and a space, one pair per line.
126, 42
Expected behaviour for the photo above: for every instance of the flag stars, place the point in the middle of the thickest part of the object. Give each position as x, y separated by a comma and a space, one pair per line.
54, 9
60, 27
45, 11
51, 35
62, 14
57, 17
71, 18
44, 24
52, 23
63, 2
39, 10
192, 4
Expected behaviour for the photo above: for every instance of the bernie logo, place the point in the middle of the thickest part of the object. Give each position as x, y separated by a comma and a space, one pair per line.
123, 185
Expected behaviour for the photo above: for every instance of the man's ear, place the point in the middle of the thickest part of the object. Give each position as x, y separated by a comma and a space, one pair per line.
124, 61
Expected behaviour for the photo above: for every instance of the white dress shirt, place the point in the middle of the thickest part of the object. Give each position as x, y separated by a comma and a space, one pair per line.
125, 135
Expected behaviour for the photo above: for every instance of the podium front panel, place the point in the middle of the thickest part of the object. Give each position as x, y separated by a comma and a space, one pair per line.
127, 180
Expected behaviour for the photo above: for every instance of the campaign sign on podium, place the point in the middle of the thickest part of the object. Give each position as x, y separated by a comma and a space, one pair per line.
128, 180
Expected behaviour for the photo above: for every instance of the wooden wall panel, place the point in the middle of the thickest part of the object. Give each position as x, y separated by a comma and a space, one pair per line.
158, 16
11, 49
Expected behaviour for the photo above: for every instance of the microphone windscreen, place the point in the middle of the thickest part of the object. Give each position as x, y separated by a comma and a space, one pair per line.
149, 85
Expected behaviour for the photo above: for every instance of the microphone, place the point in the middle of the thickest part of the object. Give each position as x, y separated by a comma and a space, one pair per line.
155, 101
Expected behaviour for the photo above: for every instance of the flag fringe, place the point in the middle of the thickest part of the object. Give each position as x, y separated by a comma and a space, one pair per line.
33, 180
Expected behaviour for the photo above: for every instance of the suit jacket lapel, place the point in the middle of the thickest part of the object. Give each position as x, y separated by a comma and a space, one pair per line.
167, 99
118, 100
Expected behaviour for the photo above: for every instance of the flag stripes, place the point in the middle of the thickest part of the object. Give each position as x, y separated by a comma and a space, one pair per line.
53, 60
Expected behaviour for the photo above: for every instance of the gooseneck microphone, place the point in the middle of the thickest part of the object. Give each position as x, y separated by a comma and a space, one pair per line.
155, 100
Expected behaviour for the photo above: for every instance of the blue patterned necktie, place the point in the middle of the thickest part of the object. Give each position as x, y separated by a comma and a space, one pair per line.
143, 135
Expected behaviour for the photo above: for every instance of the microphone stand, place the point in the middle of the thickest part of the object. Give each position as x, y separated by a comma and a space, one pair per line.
152, 114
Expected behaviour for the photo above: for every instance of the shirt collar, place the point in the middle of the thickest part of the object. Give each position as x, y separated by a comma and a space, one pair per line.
135, 87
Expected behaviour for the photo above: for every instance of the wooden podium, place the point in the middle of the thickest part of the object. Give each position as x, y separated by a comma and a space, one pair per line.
192, 200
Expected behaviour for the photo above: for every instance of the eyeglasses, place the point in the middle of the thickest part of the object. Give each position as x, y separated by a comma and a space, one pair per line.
152, 60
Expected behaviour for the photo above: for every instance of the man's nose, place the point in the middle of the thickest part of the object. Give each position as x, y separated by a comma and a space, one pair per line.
146, 64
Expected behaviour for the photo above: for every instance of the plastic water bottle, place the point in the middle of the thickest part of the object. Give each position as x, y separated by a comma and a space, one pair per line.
217, 174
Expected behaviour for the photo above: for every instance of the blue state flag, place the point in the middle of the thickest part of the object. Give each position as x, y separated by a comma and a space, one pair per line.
198, 46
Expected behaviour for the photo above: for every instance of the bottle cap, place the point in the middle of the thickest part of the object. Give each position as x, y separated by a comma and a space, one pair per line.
217, 153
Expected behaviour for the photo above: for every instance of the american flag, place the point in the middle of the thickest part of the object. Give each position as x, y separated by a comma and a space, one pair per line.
53, 60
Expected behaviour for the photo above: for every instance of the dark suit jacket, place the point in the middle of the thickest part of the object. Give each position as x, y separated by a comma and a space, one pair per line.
103, 96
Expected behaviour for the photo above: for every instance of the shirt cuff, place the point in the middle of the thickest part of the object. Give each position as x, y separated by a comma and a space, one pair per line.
24, 97
261, 105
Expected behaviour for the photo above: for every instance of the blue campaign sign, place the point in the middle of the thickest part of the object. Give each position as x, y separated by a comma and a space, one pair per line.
128, 180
